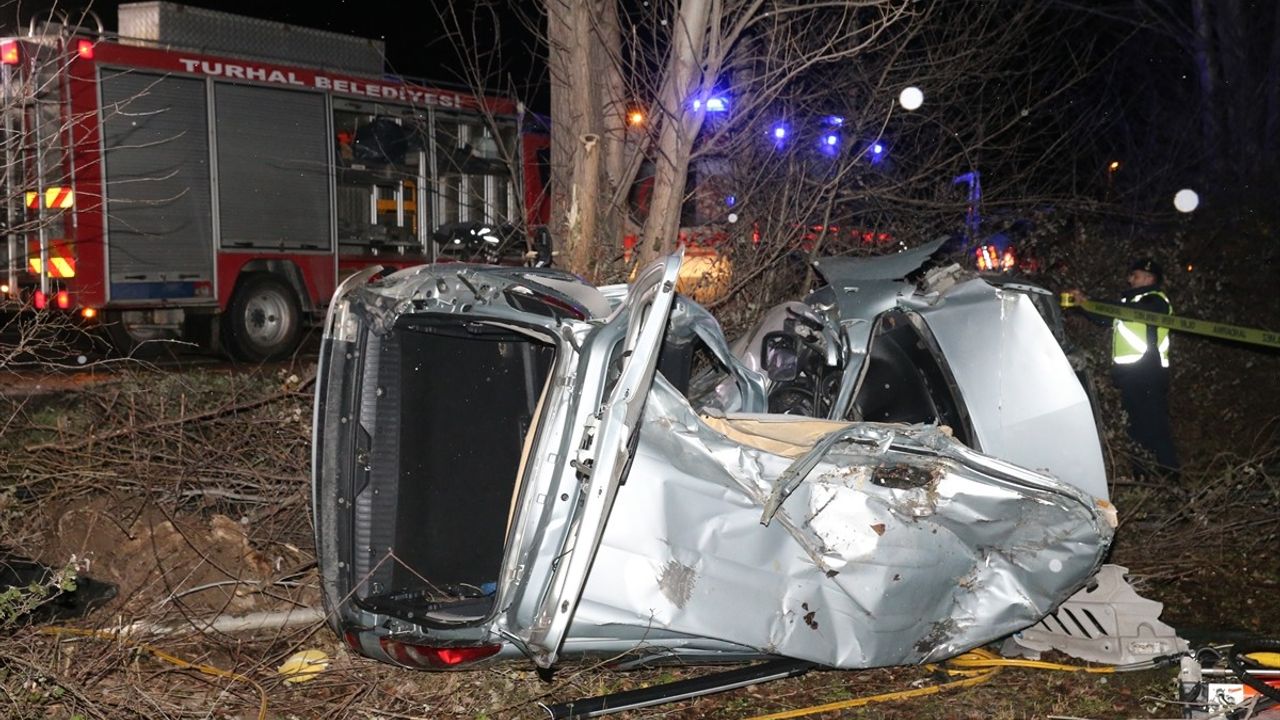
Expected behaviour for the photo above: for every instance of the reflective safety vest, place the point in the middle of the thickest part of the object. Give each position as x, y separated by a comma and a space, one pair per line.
1129, 339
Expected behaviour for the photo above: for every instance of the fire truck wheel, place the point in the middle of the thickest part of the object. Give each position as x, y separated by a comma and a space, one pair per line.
264, 319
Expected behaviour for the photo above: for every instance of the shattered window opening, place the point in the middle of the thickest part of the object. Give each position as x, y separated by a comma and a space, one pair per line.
904, 381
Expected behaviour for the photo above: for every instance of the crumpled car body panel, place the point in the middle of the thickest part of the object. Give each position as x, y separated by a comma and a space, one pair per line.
1020, 398
900, 547
479, 484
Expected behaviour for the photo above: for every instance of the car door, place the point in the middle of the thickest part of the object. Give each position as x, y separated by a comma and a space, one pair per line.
634, 333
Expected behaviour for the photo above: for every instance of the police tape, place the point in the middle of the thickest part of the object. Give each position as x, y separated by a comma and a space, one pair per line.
1251, 336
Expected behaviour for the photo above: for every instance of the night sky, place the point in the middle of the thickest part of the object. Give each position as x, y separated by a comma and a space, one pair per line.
414, 34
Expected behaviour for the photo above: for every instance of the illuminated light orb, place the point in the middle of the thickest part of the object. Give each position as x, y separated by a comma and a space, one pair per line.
779, 132
877, 148
1186, 200
831, 140
911, 98
733, 218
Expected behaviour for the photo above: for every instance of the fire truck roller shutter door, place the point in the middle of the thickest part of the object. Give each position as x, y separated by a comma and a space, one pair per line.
273, 168
158, 207
264, 319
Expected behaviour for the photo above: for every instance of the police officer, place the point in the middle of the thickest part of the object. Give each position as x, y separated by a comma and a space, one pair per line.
1140, 368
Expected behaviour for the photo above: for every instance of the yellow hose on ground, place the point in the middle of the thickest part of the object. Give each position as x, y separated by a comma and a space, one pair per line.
978, 666
171, 659
965, 661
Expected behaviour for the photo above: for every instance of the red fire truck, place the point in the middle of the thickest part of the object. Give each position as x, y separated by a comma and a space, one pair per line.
211, 176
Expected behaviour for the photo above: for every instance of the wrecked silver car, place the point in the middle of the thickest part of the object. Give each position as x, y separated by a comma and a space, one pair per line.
509, 462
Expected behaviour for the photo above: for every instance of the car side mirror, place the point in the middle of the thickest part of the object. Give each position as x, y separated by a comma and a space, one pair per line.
781, 361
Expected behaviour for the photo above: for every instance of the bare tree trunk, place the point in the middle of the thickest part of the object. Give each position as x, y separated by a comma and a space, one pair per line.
610, 170
1271, 85
584, 204
1207, 71
680, 126
587, 129
1236, 97
615, 101
575, 108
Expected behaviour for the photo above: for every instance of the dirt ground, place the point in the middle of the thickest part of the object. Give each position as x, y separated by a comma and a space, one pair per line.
189, 491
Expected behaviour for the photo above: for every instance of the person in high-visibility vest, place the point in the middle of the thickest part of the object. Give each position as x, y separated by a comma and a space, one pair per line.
1140, 368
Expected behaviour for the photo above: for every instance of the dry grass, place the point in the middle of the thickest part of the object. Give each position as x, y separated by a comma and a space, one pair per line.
189, 490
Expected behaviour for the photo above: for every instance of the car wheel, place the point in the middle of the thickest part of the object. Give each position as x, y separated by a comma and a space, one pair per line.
264, 319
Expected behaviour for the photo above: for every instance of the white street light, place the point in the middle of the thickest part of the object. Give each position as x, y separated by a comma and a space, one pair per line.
911, 98
1186, 200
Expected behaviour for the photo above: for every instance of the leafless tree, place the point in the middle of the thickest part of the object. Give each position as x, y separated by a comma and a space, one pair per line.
1208, 71
1001, 81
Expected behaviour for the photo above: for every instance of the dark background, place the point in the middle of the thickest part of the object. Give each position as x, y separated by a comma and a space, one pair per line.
419, 40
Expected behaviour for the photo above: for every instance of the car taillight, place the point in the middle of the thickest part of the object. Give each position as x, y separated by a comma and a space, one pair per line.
62, 300
84, 48
352, 638
424, 656
9, 53
39, 300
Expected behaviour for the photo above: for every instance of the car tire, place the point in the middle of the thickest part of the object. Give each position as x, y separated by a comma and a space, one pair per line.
264, 319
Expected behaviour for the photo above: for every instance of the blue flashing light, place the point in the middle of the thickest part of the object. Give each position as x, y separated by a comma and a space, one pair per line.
835, 120
731, 200
829, 144
779, 132
878, 152
713, 104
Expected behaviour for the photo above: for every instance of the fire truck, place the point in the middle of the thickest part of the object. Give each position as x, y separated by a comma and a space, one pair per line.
212, 177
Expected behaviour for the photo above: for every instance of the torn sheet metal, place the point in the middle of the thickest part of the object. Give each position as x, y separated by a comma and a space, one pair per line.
1017, 392
841, 271
887, 553
1024, 401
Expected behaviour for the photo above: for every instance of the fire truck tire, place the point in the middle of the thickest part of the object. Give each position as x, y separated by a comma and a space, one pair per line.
264, 320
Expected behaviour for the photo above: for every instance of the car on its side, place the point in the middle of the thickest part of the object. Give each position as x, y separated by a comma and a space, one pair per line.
509, 462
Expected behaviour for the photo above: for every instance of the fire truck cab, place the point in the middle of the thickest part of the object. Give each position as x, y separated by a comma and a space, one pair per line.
212, 177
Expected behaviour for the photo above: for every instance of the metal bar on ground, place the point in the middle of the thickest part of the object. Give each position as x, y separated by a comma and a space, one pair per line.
602, 705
